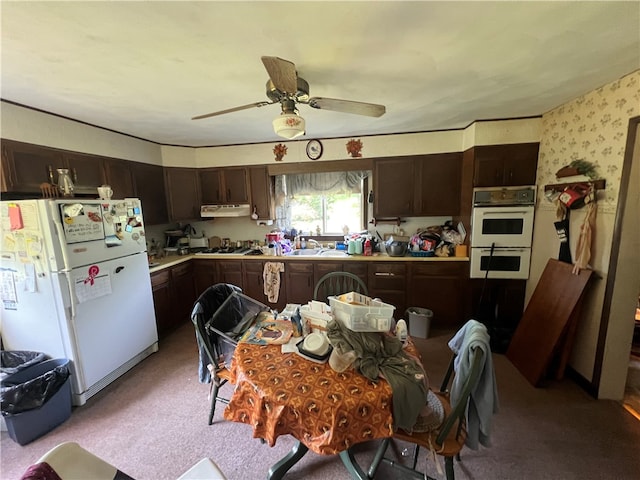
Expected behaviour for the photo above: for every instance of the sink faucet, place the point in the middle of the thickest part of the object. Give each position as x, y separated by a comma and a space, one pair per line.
313, 242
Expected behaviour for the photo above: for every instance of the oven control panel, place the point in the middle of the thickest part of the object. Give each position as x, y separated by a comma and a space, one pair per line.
493, 196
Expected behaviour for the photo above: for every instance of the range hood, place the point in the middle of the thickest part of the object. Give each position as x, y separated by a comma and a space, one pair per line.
225, 211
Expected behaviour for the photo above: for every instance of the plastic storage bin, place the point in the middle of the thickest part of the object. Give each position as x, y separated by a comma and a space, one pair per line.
419, 321
46, 383
375, 317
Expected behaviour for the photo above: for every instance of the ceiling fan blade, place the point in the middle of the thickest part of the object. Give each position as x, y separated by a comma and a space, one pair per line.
347, 106
230, 110
282, 73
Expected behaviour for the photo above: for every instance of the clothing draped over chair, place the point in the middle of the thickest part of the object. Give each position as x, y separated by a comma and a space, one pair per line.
381, 355
483, 402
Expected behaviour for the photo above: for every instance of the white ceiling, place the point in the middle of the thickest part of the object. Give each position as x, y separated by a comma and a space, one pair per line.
146, 68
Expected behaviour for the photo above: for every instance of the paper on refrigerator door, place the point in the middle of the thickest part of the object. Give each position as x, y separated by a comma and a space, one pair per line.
92, 284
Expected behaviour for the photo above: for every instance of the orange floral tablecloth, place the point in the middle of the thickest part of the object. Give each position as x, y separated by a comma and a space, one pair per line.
285, 394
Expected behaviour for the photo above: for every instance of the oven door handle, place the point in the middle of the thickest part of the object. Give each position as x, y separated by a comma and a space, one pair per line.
503, 249
517, 212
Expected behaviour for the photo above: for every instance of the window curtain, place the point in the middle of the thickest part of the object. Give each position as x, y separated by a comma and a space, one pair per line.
290, 185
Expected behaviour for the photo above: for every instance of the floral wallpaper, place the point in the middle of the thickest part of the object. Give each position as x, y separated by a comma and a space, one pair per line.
593, 127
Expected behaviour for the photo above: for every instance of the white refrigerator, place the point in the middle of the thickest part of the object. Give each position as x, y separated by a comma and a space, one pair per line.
75, 284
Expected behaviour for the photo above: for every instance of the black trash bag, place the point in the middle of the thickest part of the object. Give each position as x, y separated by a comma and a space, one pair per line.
33, 393
12, 361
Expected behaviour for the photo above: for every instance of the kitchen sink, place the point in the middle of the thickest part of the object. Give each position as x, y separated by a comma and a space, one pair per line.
317, 252
304, 252
332, 253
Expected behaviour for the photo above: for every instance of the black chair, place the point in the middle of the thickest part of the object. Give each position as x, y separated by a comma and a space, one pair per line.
220, 316
448, 440
337, 283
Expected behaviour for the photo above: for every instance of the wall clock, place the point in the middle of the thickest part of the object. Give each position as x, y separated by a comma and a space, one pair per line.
314, 149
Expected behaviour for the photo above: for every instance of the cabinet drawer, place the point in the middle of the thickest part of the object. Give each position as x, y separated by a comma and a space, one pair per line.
298, 267
181, 270
449, 269
159, 278
253, 267
230, 266
387, 276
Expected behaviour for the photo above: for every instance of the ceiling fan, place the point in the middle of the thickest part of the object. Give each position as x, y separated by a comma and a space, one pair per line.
288, 89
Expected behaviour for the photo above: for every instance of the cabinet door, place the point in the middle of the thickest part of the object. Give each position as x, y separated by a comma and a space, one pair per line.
30, 165
393, 187
149, 188
87, 172
438, 184
236, 185
183, 192
499, 304
521, 163
205, 275
504, 165
321, 268
262, 193
162, 300
299, 280
119, 177
253, 283
212, 186
440, 287
230, 271
357, 268
387, 281
182, 284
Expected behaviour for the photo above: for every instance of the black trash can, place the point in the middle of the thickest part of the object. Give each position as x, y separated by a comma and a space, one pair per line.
12, 361
36, 399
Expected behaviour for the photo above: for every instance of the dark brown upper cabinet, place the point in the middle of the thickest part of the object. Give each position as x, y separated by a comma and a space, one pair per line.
224, 185
26, 166
87, 172
419, 185
262, 193
119, 177
438, 184
393, 180
505, 165
183, 193
149, 187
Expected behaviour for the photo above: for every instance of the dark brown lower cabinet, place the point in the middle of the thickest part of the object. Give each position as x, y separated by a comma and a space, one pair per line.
204, 274
387, 281
498, 304
173, 296
230, 271
299, 280
253, 284
162, 295
439, 286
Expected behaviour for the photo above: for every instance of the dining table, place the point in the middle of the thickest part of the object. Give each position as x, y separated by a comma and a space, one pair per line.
327, 412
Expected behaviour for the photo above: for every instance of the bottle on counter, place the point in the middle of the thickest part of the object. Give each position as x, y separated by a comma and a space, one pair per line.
303, 243
367, 248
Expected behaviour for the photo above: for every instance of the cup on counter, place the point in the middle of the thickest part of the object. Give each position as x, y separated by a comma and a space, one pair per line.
105, 192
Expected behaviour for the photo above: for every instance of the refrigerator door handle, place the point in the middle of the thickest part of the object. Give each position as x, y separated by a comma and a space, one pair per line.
71, 320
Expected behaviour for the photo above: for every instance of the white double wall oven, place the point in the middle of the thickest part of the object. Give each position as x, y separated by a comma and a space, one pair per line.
502, 231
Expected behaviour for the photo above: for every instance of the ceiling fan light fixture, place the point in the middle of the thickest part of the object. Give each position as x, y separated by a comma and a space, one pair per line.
289, 125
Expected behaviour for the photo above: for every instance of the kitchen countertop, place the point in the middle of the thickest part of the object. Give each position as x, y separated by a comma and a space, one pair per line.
171, 260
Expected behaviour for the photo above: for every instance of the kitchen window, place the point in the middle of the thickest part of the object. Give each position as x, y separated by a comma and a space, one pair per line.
325, 203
